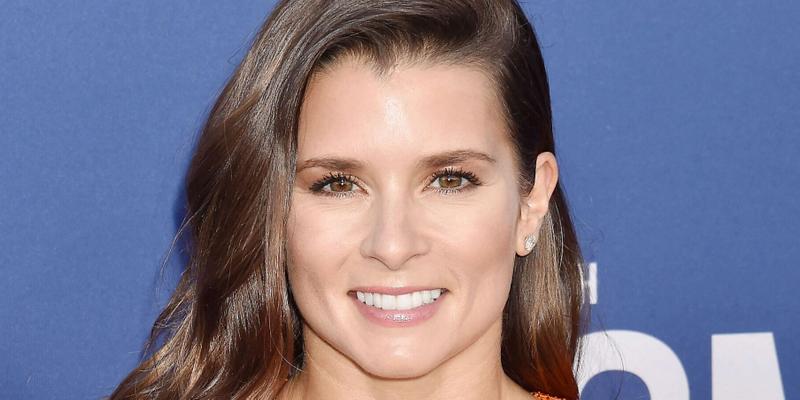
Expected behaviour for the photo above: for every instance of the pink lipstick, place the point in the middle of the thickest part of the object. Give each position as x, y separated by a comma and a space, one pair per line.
398, 307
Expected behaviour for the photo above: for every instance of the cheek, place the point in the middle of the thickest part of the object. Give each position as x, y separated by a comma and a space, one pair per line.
314, 258
488, 230
483, 232
482, 254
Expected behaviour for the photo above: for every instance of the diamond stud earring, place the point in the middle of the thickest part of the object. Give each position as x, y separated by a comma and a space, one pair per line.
530, 241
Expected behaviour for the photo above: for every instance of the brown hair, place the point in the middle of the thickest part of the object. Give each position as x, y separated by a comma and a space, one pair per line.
231, 329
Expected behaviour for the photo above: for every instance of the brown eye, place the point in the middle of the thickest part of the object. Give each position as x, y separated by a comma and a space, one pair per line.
342, 184
449, 181
336, 185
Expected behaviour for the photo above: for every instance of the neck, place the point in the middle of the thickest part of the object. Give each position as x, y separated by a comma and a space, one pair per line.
473, 373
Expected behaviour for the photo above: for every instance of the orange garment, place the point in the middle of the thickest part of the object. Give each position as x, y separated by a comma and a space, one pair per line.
542, 396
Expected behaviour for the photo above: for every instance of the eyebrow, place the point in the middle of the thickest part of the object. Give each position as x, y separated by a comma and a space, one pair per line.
438, 160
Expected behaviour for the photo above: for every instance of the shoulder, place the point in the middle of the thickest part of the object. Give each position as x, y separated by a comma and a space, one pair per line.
542, 396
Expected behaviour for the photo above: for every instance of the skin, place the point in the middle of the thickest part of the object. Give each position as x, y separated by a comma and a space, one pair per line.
396, 229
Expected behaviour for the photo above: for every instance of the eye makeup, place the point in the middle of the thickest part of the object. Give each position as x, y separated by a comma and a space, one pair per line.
346, 180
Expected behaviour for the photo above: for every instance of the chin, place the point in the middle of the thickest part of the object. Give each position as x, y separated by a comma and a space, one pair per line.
397, 371
397, 367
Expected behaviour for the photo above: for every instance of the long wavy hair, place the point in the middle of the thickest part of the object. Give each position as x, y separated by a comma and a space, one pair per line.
231, 329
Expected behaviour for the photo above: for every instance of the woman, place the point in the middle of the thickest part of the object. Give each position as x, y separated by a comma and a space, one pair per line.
375, 213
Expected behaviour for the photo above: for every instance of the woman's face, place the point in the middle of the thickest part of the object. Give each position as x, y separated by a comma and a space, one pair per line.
403, 184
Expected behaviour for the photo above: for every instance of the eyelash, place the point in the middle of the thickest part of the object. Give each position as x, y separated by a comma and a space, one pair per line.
449, 171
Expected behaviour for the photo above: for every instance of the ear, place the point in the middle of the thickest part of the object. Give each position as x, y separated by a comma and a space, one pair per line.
534, 205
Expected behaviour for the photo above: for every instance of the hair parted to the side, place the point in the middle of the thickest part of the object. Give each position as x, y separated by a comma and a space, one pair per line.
231, 329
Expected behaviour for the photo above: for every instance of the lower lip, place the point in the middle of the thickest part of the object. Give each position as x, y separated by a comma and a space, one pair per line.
399, 318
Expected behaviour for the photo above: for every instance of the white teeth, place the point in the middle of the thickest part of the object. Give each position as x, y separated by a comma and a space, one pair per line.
388, 302
416, 299
368, 298
426, 296
405, 301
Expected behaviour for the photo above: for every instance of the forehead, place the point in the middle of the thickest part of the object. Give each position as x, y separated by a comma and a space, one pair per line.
421, 108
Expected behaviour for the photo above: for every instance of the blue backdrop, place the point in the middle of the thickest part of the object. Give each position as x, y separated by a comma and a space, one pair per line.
676, 129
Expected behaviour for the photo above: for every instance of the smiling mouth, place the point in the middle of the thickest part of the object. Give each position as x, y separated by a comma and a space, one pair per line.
405, 301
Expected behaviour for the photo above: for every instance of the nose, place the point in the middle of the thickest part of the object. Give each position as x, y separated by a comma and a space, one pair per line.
394, 234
